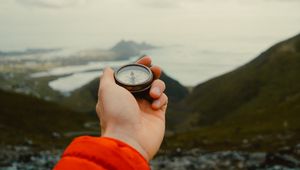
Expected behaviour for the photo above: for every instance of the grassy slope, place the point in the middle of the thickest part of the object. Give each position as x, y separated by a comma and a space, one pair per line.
259, 101
27, 118
83, 99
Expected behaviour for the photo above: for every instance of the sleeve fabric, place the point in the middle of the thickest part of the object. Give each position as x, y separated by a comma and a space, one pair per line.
101, 153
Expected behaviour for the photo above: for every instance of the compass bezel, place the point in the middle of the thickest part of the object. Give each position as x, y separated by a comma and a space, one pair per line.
135, 88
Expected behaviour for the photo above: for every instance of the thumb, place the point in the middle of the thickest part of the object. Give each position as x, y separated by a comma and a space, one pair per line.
107, 77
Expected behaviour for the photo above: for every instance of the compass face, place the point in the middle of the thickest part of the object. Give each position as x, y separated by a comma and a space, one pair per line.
134, 74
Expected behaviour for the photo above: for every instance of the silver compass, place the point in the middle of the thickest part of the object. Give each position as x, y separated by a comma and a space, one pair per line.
134, 77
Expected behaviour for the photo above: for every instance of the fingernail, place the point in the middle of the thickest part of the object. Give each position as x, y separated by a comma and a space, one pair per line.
156, 103
156, 90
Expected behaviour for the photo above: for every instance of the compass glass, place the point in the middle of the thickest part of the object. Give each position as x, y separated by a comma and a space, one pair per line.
133, 75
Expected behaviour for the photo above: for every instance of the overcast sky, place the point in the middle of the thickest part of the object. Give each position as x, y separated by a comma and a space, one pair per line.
101, 23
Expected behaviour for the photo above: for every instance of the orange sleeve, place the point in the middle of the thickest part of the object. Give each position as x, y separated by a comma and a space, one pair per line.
100, 153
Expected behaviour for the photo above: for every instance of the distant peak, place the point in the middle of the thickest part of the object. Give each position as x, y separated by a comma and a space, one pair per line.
129, 48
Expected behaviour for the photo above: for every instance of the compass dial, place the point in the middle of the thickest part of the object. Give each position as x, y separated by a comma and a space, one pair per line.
134, 77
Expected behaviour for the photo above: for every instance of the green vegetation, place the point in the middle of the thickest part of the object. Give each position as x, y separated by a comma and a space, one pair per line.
174, 90
83, 99
26, 119
257, 104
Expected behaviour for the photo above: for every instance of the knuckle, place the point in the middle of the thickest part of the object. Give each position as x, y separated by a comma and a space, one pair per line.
161, 83
101, 92
97, 108
166, 97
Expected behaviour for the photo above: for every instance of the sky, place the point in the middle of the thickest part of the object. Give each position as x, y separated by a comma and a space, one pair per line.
102, 23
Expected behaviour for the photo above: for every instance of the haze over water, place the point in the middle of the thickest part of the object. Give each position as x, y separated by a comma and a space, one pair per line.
200, 39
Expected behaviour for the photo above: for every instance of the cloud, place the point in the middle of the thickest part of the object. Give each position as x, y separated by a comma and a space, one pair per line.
165, 3
52, 3
159, 3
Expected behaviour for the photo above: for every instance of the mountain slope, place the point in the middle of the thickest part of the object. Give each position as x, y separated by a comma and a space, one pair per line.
267, 85
255, 107
25, 118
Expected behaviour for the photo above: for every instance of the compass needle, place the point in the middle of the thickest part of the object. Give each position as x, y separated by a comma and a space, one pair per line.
136, 78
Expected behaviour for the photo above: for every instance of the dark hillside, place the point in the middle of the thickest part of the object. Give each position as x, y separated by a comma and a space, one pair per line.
255, 107
267, 86
28, 120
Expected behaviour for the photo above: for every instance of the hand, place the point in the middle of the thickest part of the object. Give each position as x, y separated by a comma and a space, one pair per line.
134, 121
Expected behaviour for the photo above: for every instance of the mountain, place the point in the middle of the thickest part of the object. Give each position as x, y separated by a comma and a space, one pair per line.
269, 85
258, 103
125, 49
175, 91
28, 120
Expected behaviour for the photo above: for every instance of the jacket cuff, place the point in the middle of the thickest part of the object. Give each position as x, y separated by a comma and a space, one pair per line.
106, 152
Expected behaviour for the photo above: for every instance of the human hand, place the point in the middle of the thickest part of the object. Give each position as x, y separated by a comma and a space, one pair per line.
134, 121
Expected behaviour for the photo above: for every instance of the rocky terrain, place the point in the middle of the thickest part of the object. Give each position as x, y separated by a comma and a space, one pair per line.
196, 159
22, 157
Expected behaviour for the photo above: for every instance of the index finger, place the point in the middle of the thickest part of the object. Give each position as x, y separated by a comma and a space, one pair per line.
156, 71
145, 60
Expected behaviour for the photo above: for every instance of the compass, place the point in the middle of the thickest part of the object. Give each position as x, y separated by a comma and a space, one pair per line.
136, 78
